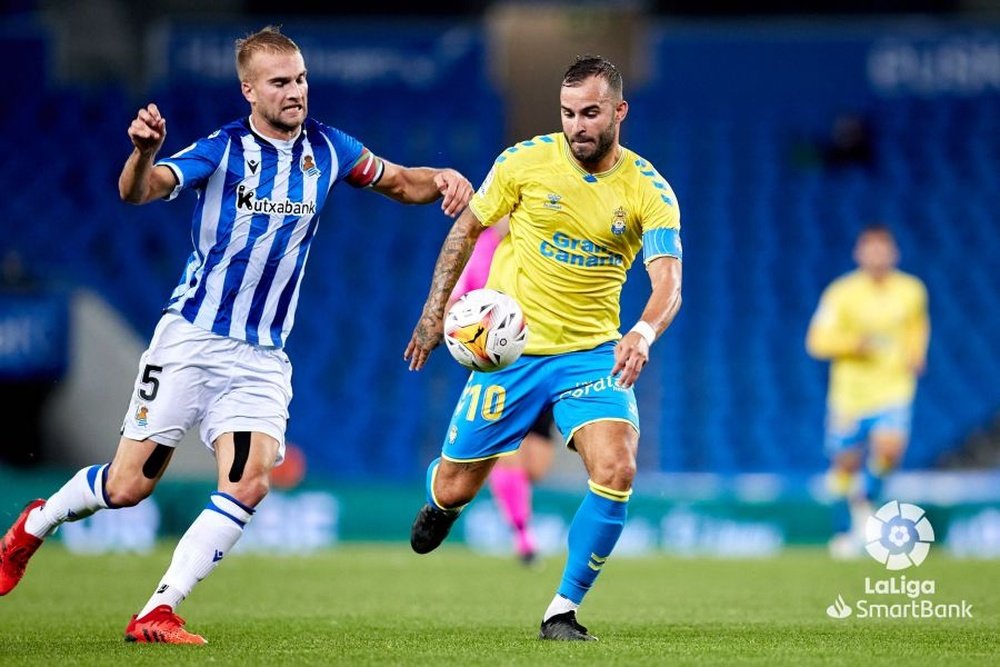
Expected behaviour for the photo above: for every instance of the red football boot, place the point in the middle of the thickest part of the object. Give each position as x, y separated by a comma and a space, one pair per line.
16, 548
161, 625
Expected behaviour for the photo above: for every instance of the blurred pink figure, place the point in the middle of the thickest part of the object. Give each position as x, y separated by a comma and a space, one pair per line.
512, 476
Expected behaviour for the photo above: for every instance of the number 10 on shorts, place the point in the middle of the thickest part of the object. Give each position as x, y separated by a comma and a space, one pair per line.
493, 399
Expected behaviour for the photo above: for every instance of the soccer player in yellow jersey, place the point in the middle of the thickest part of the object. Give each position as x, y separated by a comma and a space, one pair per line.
872, 325
581, 206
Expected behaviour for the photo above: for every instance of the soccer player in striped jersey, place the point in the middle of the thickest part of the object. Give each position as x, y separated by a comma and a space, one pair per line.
216, 356
581, 206
872, 325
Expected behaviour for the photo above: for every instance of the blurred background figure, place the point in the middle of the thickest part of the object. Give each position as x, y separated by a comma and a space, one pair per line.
512, 477
873, 326
850, 143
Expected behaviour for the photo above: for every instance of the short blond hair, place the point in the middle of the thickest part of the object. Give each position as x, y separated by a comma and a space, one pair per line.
266, 40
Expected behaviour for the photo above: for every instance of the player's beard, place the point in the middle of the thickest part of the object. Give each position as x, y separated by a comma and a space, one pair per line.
605, 142
282, 125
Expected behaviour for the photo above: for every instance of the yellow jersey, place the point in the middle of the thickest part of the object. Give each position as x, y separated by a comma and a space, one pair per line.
573, 236
890, 319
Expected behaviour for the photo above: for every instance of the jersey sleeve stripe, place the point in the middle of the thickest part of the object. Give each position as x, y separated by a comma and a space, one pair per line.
178, 174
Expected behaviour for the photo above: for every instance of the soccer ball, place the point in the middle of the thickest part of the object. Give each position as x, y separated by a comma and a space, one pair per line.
485, 330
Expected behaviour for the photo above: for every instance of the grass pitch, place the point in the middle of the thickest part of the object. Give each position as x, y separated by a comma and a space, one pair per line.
381, 605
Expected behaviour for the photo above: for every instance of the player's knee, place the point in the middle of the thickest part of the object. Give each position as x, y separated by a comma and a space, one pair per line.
616, 473
249, 491
884, 462
624, 472
848, 461
888, 451
888, 459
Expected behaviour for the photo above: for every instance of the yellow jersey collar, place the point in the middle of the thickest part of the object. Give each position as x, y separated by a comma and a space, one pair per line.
587, 176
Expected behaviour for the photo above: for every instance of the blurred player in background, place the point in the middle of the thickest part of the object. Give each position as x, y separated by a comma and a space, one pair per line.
872, 325
581, 206
512, 477
216, 356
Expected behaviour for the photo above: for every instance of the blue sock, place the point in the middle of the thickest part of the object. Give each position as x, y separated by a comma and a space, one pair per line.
841, 484
592, 536
429, 488
80, 497
873, 485
841, 515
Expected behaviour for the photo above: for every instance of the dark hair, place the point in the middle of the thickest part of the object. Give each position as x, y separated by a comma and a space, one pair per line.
588, 66
266, 40
876, 228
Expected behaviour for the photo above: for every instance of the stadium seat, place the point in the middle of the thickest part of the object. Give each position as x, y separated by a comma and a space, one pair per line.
731, 389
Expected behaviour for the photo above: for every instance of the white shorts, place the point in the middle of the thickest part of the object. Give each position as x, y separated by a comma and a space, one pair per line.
189, 375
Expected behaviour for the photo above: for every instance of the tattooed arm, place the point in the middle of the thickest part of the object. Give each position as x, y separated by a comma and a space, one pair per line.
451, 260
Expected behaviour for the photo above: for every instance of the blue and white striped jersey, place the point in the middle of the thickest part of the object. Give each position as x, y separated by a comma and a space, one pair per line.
259, 202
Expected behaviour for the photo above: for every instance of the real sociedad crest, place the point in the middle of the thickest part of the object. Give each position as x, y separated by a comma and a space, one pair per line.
309, 166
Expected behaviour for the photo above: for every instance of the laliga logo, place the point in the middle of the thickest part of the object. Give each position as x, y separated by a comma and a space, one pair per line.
898, 535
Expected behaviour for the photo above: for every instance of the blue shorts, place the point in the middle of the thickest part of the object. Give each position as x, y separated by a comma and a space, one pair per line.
843, 434
497, 409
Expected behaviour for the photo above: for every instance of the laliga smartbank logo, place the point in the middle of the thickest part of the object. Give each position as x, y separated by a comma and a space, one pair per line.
899, 536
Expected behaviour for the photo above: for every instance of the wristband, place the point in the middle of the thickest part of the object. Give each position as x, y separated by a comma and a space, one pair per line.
644, 329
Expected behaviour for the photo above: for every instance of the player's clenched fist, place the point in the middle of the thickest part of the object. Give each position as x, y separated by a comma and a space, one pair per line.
148, 129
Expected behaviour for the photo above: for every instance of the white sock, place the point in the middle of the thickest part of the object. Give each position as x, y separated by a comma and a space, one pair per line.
861, 510
80, 497
210, 537
559, 605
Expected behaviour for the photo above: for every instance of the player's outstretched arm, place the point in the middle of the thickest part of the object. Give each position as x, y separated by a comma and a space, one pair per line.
451, 260
422, 185
828, 340
140, 181
632, 351
918, 337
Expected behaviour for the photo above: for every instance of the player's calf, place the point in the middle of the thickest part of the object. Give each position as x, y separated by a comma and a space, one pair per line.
449, 487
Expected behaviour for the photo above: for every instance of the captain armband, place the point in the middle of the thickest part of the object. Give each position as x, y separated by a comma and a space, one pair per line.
366, 171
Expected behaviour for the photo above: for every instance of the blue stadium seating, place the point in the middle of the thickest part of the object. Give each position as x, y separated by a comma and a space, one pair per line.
729, 390
763, 237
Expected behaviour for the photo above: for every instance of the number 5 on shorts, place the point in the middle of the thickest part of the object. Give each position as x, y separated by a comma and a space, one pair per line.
149, 379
